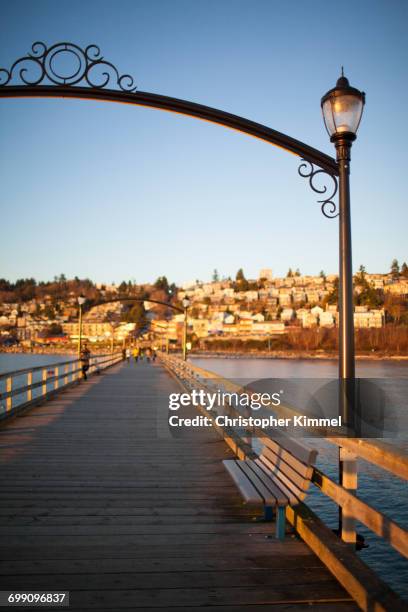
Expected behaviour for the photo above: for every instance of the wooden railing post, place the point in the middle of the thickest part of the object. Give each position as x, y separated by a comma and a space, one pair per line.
9, 387
348, 462
29, 383
44, 379
66, 370
56, 374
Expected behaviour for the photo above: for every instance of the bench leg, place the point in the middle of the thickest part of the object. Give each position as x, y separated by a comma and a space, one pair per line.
280, 522
268, 513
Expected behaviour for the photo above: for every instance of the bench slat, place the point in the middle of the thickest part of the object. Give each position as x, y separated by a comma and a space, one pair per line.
301, 451
259, 484
281, 466
289, 489
281, 498
247, 490
273, 448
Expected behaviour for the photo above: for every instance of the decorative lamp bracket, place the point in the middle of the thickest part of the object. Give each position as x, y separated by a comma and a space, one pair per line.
328, 205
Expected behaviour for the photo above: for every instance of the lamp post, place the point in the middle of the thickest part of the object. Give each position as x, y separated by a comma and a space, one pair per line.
186, 304
81, 301
342, 109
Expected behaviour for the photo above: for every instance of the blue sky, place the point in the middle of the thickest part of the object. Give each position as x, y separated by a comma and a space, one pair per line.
117, 192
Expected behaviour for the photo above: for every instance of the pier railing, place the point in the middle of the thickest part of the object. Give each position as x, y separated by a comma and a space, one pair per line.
26, 387
306, 523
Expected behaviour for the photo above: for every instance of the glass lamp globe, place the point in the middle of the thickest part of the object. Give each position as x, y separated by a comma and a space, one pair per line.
342, 109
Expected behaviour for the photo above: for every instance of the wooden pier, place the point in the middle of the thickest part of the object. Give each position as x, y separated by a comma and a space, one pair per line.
100, 499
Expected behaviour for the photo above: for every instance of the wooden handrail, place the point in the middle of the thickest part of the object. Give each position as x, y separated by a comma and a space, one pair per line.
70, 375
48, 365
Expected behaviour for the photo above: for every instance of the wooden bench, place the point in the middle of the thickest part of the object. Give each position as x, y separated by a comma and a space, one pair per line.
279, 477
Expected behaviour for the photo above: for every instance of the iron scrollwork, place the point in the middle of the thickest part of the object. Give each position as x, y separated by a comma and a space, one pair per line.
66, 64
328, 205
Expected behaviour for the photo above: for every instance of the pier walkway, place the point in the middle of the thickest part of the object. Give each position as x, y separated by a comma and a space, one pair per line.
99, 498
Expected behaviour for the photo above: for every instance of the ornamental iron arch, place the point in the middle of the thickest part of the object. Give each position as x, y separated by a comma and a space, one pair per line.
139, 300
90, 76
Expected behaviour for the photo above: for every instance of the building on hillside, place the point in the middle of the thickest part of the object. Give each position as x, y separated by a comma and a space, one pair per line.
397, 288
313, 296
326, 319
285, 298
200, 327
287, 314
367, 319
269, 328
299, 296
309, 320
266, 273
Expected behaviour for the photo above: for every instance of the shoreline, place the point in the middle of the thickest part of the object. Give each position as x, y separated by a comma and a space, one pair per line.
294, 355
309, 355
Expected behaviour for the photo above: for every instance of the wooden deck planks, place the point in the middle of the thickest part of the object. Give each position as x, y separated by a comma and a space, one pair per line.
100, 498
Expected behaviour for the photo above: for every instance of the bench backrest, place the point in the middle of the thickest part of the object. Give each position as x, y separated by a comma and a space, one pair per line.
289, 460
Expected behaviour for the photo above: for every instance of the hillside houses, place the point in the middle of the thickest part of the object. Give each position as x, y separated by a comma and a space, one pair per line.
248, 309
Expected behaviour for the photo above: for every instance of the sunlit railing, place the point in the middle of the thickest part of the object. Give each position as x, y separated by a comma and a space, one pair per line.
22, 388
378, 453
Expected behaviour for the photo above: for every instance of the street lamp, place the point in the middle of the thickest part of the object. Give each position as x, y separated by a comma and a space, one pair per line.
186, 304
81, 301
342, 109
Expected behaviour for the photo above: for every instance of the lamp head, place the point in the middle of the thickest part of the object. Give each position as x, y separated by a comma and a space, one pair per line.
342, 109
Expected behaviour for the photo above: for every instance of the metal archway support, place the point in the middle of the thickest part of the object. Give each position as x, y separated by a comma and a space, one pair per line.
38, 75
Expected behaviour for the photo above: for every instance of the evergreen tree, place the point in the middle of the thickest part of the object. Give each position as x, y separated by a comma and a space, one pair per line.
360, 277
137, 315
49, 312
162, 283
241, 283
333, 296
395, 270
240, 275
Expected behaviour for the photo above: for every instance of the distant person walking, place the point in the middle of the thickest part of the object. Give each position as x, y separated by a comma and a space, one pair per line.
123, 354
85, 357
128, 355
136, 354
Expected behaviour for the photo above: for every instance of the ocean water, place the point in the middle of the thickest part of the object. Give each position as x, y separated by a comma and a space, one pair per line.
18, 361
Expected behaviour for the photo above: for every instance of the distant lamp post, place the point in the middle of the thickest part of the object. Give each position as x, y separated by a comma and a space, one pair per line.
81, 301
186, 304
107, 335
342, 109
